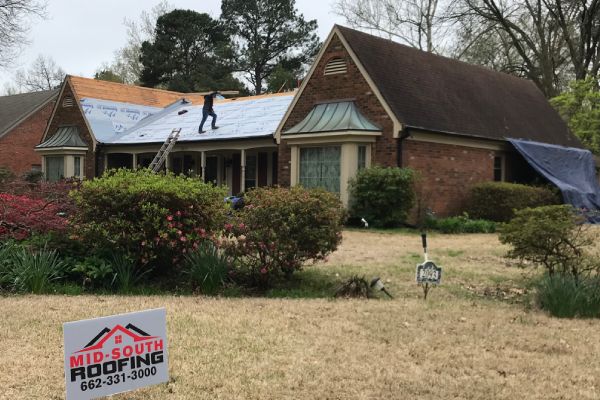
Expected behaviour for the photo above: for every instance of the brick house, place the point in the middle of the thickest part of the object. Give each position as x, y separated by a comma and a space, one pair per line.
23, 119
99, 125
368, 100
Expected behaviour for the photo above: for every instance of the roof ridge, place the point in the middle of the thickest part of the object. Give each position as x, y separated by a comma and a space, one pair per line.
435, 55
99, 81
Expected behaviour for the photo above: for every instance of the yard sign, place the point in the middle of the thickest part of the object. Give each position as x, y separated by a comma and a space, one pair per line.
115, 354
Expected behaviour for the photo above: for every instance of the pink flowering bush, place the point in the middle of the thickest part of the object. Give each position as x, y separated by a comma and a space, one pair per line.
279, 230
155, 218
22, 216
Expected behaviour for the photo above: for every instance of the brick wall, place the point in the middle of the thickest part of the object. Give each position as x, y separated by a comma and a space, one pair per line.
351, 85
17, 146
73, 116
447, 173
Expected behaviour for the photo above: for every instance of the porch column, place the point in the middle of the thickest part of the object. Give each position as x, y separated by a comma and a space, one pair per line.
135, 161
243, 171
168, 162
105, 162
203, 165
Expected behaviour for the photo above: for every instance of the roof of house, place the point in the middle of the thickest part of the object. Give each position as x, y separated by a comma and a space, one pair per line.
14, 109
113, 91
66, 136
241, 118
436, 93
332, 117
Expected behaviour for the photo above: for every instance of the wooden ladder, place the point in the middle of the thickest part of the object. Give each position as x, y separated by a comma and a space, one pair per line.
164, 151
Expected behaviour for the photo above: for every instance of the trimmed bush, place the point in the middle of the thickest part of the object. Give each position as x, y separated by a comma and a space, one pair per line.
552, 237
567, 297
280, 229
497, 201
153, 218
382, 196
461, 224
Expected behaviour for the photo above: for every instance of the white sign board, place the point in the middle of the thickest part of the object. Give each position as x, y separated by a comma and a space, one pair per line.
115, 354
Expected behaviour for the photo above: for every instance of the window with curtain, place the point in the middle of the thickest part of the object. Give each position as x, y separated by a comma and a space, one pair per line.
320, 167
250, 181
55, 168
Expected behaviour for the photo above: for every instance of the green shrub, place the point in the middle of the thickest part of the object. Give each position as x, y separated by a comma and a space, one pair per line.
552, 237
34, 271
460, 224
497, 201
207, 268
567, 297
8, 250
382, 196
155, 218
95, 271
280, 229
126, 273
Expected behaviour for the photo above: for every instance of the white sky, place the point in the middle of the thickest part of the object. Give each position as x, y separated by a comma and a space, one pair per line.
81, 35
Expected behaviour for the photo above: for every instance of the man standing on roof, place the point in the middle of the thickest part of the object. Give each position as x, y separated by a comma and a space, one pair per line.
207, 110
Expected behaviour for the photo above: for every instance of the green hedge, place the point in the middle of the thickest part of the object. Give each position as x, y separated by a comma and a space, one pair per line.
382, 196
497, 201
154, 218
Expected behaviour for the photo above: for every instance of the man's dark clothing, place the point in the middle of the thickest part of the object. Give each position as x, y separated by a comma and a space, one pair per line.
207, 110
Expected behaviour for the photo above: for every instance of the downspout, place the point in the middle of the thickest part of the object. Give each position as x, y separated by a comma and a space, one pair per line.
403, 135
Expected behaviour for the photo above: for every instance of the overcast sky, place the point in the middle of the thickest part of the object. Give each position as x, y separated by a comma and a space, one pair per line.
81, 35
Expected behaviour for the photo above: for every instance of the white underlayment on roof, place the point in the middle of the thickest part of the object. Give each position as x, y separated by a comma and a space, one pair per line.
237, 119
110, 118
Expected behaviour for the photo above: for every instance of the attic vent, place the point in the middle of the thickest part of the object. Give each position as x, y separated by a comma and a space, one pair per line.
336, 66
67, 102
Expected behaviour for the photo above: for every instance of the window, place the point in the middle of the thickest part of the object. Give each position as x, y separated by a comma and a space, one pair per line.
320, 167
498, 168
362, 157
55, 168
336, 66
250, 174
77, 167
211, 173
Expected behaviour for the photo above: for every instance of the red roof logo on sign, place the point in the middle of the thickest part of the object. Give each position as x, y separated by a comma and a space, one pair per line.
131, 331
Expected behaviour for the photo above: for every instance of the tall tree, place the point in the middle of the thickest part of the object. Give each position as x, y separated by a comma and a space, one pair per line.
189, 52
44, 74
14, 25
126, 63
417, 23
580, 107
266, 34
107, 74
551, 41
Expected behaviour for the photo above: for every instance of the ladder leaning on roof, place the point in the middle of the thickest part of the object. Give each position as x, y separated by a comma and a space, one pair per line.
165, 149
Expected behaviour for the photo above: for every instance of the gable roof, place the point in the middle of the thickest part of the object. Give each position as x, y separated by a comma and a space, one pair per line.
16, 108
440, 94
113, 91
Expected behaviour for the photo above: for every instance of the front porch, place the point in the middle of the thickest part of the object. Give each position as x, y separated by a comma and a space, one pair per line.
238, 165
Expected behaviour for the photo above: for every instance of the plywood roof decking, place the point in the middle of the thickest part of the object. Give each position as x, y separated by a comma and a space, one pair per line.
440, 94
112, 91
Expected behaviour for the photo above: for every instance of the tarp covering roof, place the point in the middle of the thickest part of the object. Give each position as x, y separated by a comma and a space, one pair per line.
440, 94
241, 118
65, 136
334, 117
571, 170
109, 118
15, 108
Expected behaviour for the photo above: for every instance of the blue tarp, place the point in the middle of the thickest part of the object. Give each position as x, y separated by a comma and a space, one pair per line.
572, 170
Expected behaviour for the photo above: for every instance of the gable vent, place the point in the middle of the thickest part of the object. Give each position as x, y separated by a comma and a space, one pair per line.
67, 102
336, 66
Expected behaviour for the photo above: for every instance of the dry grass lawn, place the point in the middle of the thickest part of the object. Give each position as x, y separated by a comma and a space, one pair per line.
476, 337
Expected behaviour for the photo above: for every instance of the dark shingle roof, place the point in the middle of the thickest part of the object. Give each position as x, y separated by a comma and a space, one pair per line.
445, 95
15, 108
